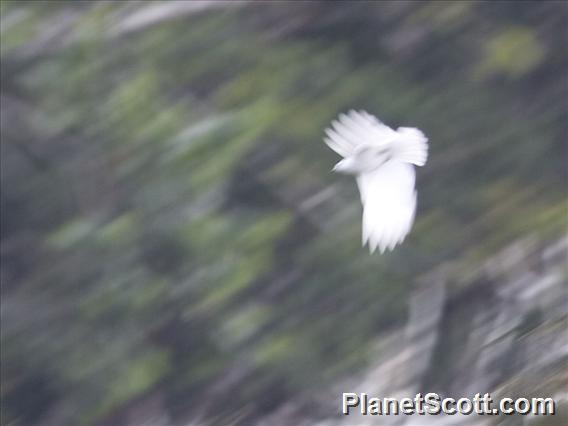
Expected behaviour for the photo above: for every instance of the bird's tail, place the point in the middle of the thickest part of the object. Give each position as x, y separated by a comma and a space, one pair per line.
411, 146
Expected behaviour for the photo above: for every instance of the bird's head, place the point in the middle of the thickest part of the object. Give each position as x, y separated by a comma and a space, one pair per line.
347, 166
364, 159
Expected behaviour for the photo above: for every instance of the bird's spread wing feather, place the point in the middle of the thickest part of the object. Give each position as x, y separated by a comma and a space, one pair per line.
411, 146
389, 204
355, 129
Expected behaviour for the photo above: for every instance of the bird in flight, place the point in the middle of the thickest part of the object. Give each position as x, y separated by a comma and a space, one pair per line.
382, 160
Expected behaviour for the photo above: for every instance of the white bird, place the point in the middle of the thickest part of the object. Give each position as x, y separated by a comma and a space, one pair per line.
382, 161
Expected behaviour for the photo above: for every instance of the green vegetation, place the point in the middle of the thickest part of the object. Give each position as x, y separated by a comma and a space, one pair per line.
153, 234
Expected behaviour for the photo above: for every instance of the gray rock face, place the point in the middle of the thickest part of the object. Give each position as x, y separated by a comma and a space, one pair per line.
500, 330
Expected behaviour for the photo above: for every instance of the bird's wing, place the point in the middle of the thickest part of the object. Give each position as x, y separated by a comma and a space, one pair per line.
389, 203
410, 147
356, 129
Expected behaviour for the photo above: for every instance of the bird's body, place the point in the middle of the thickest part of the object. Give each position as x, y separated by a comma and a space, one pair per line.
382, 161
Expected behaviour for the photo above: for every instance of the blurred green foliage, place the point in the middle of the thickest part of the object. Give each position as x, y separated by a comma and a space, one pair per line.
153, 235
